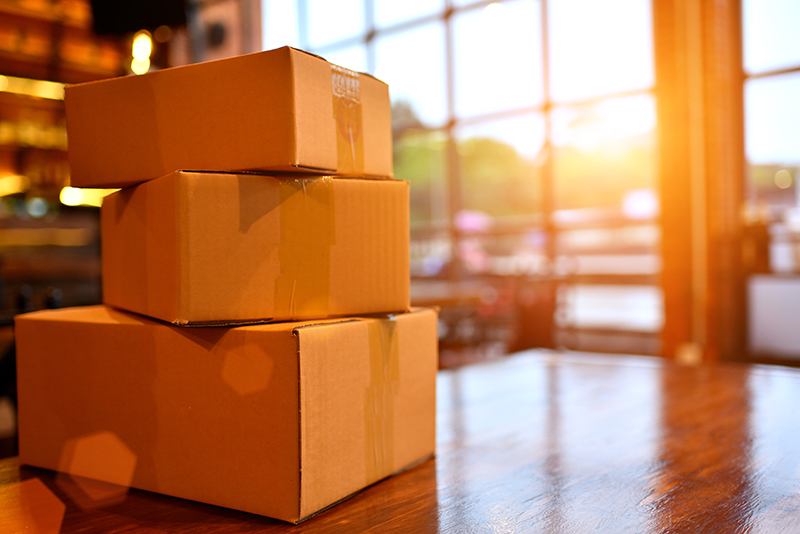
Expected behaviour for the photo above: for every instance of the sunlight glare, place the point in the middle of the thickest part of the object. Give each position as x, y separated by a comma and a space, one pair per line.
595, 127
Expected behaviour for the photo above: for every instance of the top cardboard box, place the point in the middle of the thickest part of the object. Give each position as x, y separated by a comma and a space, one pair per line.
279, 110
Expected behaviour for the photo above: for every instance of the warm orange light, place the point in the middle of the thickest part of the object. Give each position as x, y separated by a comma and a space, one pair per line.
611, 121
140, 67
39, 237
73, 196
141, 50
14, 183
142, 46
28, 87
163, 34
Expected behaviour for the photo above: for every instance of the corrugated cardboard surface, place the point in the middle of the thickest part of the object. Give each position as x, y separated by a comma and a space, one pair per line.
279, 420
382, 419
273, 110
192, 248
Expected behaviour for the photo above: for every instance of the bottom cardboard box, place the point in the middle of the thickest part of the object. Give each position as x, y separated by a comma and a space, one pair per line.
280, 420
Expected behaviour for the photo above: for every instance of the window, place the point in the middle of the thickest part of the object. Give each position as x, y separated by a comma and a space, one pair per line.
526, 129
772, 197
772, 139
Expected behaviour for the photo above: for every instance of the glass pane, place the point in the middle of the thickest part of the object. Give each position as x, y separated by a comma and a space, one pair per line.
418, 83
772, 138
279, 24
499, 168
603, 156
391, 12
352, 57
771, 119
498, 58
505, 254
599, 48
330, 22
770, 34
773, 310
419, 158
460, 3
636, 308
430, 255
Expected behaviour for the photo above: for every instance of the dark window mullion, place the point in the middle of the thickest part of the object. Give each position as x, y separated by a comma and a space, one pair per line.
453, 163
369, 38
770, 73
547, 175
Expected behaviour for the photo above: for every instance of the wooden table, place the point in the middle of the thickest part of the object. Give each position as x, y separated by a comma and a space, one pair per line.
538, 442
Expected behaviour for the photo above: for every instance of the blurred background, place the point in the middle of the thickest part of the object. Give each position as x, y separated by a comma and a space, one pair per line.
615, 176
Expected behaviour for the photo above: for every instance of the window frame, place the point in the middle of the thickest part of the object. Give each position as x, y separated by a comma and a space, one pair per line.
698, 93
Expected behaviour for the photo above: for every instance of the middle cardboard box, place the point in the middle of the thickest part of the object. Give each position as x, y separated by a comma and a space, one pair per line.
197, 248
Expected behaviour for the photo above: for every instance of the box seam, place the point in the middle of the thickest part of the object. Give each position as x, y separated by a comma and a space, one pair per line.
181, 222
299, 516
293, 99
306, 52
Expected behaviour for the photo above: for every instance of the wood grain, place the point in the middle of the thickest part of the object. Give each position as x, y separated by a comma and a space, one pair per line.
546, 442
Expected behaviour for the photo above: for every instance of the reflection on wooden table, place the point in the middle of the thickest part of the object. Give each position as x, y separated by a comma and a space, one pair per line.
537, 442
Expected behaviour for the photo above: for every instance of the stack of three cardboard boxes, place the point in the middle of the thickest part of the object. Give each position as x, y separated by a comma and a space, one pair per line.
236, 403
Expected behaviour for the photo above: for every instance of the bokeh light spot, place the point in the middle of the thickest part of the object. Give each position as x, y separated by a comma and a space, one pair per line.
140, 67
29, 506
37, 207
783, 179
142, 46
100, 456
641, 204
248, 372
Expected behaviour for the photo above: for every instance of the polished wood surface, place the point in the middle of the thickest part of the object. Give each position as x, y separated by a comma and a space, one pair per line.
537, 442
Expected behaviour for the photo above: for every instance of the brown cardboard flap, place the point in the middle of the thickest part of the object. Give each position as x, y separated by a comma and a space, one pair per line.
367, 398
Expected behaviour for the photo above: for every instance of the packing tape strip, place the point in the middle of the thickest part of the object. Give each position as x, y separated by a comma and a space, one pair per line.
307, 219
349, 123
384, 363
